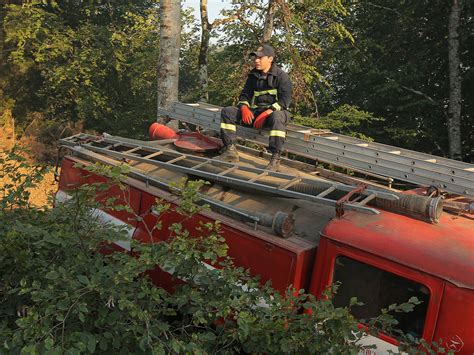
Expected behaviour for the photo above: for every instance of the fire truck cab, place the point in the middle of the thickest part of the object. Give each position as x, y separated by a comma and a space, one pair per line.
388, 258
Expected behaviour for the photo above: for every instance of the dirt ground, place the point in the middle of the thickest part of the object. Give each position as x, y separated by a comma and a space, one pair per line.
46, 188
40, 194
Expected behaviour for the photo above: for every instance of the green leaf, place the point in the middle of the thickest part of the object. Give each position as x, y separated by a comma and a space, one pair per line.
52, 275
91, 343
103, 344
83, 279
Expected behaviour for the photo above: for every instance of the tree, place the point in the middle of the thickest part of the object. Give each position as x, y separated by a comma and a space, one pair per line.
398, 69
168, 61
269, 17
206, 30
455, 97
71, 62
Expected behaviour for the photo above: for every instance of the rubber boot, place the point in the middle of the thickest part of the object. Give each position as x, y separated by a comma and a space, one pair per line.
230, 154
274, 164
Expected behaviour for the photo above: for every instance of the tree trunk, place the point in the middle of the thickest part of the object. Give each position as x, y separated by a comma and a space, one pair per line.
203, 53
268, 26
168, 61
454, 107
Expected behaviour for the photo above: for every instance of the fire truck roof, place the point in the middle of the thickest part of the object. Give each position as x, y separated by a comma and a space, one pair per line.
445, 250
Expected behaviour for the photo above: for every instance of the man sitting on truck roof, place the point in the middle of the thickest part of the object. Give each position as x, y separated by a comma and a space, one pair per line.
264, 103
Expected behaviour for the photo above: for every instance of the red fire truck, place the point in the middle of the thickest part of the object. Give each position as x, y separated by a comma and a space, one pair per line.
310, 229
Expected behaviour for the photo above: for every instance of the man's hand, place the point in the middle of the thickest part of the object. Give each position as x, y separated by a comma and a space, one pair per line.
247, 115
258, 124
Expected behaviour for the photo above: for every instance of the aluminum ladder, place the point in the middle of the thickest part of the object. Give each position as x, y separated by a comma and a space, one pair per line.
228, 173
322, 145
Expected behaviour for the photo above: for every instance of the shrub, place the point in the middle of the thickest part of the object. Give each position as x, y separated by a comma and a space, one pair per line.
58, 294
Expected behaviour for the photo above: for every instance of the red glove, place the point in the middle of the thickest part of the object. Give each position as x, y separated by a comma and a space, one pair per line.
258, 124
247, 115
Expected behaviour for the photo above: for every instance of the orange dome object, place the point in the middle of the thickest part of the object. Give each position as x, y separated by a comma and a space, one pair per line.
159, 131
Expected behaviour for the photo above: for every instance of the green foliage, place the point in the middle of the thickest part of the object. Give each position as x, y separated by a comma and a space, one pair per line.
60, 295
346, 119
398, 69
90, 63
302, 31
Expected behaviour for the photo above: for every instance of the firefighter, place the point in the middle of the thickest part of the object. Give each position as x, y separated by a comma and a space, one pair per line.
263, 103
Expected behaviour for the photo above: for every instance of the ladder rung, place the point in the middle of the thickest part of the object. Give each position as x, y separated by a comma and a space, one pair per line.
132, 150
327, 191
255, 178
156, 169
149, 156
290, 183
201, 164
357, 199
235, 167
115, 145
172, 161
367, 199
152, 155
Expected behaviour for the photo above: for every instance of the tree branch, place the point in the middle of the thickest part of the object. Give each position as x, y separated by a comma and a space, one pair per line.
417, 92
383, 7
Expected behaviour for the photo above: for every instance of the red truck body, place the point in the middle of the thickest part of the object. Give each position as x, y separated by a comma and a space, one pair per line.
381, 259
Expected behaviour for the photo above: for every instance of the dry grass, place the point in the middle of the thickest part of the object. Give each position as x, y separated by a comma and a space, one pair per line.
40, 139
46, 188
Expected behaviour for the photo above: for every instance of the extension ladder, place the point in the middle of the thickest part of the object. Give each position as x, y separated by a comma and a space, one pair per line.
352, 153
230, 174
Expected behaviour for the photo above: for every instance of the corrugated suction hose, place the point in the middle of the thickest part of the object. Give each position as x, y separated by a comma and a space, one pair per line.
415, 206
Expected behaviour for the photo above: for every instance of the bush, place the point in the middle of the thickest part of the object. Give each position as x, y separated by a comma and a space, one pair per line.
58, 294
346, 119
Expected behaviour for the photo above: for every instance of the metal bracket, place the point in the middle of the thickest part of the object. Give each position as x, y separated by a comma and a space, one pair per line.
346, 198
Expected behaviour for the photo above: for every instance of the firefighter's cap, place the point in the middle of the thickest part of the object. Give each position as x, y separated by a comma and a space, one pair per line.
265, 50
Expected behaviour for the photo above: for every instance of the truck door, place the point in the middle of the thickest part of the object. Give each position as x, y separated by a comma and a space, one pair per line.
378, 283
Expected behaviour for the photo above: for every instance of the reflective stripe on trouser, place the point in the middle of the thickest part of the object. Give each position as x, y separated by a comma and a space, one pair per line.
229, 116
276, 123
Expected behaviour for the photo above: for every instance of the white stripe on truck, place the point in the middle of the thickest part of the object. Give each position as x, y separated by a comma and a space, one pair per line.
104, 219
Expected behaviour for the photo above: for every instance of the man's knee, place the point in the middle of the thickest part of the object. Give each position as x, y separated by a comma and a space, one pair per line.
280, 116
229, 112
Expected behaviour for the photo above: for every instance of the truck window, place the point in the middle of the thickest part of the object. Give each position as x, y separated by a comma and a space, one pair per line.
378, 289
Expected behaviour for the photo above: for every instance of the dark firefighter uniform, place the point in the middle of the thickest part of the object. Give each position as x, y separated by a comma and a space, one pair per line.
262, 91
